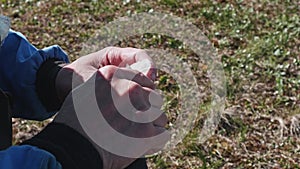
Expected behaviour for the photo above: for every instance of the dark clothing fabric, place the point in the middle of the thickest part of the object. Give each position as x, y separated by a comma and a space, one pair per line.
45, 84
5, 121
72, 150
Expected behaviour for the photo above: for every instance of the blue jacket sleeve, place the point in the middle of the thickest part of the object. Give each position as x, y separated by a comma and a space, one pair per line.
19, 62
25, 157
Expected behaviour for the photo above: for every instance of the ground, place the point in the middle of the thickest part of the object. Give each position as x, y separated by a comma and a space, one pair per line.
258, 43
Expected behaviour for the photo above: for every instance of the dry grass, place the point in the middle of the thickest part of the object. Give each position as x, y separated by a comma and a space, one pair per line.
258, 43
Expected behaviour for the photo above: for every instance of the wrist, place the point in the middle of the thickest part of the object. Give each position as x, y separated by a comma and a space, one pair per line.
63, 83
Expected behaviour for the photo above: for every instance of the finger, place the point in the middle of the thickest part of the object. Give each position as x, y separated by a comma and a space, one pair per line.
112, 116
139, 97
128, 97
161, 121
153, 113
135, 76
151, 97
150, 67
145, 67
143, 80
122, 57
138, 103
114, 56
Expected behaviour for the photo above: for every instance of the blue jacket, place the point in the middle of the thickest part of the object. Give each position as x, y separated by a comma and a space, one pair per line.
27, 157
19, 62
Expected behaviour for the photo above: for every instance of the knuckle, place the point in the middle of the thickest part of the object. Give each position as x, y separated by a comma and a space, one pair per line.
138, 97
110, 67
111, 51
108, 71
109, 48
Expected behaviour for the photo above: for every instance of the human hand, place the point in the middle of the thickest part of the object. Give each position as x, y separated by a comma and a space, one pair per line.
83, 68
100, 110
